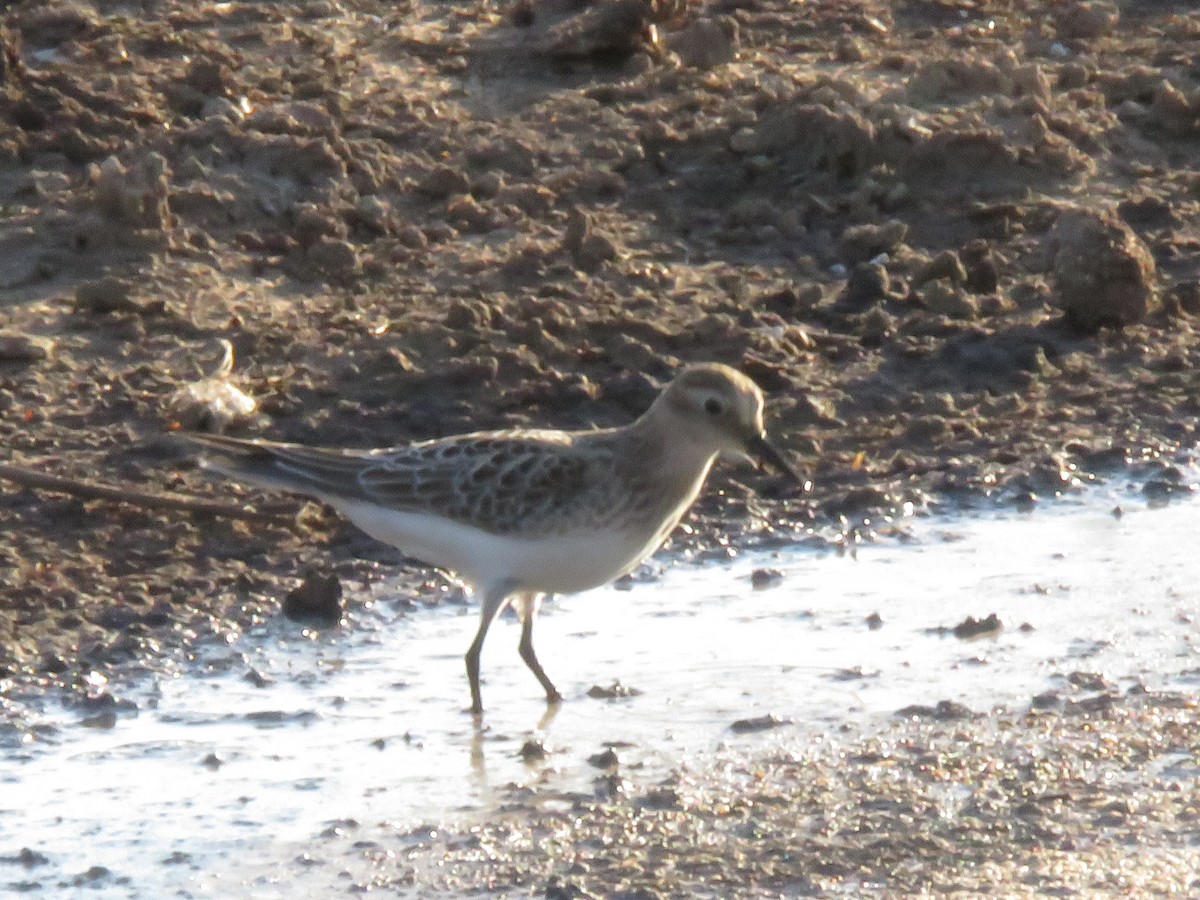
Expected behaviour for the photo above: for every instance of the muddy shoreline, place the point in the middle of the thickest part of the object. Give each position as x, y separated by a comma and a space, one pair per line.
956, 244
1095, 798
1057, 754
862, 206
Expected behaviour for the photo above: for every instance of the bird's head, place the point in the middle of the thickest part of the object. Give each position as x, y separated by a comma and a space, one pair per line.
720, 410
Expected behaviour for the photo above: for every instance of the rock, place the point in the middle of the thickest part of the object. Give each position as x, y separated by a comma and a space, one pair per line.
135, 196
1086, 20
945, 711
946, 298
945, 265
311, 222
761, 579
606, 759
23, 348
372, 214
751, 210
1174, 111
706, 43
614, 691
811, 136
104, 295
850, 49
588, 248
868, 283
982, 270
208, 76
444, 182
758, 723
861, 243
877, 324
28, 858
970, 627
318, 600
1103, 272
1046, 700
605, 28
334, 258
11, 66
1089, 681
966, 76
532, 752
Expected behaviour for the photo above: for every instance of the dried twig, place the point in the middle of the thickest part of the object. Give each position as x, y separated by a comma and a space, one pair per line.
90, 490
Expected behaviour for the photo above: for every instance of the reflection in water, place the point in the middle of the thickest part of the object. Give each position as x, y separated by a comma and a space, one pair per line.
478, 748
286, 737
478, 760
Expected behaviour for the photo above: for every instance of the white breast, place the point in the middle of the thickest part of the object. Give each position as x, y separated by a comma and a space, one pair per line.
555, 564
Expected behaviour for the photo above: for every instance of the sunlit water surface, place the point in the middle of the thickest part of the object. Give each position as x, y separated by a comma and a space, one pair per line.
218, 783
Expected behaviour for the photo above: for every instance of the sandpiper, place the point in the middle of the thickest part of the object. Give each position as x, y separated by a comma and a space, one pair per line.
522, 514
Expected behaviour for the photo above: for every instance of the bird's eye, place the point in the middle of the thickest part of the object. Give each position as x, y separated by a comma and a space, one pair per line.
713, 406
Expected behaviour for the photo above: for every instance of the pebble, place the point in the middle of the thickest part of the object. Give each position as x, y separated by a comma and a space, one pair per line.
761, 579
944, 711
970, 627
605, 760
532, 752
766, 722
317, 600
614, 691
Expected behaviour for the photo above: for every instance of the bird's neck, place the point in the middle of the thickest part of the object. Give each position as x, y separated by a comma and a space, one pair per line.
670, 448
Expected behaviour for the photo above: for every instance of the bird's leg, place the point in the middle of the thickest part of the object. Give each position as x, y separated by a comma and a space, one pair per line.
494, 599
529, 608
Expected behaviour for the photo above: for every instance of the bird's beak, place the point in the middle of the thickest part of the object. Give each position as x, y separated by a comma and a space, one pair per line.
762, 449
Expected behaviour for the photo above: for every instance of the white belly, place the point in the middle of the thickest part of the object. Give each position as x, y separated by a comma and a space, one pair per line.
556, 564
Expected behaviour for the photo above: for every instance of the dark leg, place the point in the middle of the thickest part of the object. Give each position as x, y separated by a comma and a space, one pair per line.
526, 650
493, 602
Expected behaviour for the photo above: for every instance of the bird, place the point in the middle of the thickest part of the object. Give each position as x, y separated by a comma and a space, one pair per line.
522, 514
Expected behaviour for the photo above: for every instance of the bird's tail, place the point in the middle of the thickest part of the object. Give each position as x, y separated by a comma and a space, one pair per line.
314, 471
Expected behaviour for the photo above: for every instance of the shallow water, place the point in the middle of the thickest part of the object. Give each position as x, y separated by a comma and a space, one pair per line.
226, 785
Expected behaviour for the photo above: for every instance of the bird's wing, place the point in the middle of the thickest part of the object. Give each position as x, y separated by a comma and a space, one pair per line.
500, 482
497, 481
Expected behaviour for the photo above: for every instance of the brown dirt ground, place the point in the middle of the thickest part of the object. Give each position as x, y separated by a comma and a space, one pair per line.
416, 218
406, 228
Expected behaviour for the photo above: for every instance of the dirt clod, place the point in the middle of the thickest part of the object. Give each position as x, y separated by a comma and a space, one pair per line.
317, 599
1104, 273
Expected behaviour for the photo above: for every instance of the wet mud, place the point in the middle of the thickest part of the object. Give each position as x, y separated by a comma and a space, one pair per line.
956, 243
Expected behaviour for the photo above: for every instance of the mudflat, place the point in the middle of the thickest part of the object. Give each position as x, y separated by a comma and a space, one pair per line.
956, 244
